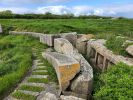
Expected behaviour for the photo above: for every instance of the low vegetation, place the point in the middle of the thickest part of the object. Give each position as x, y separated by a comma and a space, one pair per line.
20, 95
114, 84
16, 59
32, 88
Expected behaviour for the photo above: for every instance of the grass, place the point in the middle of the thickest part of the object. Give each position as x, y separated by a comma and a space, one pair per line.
114, 84
102, 28
23, 96
85, 26
116, 43
40, 73
41, 68
15, 62
38, 80
31, 88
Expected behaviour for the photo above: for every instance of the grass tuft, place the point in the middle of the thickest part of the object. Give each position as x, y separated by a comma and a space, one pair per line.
38, 80
31, 88
23, 96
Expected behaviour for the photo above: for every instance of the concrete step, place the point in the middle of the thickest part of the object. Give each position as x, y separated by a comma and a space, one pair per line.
29, 92
34, 84
38, 76
40, 71
36, 67
10, 98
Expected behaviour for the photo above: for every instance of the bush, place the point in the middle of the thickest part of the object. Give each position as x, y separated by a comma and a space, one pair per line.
116, 83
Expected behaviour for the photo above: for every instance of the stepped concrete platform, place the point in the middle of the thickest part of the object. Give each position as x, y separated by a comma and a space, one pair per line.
66, 67
63, 46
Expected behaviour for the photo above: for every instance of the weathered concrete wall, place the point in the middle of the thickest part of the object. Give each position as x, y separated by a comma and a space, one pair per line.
1, 29
63, 46
26, 33
66, 67
101, 57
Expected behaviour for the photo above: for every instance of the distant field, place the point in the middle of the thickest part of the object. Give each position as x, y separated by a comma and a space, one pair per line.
103, 28
96, 26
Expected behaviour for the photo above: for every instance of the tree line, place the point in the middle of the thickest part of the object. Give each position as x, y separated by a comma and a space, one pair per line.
7, 14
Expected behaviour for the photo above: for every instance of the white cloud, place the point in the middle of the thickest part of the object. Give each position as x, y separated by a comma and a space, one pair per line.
54, 10
119, 10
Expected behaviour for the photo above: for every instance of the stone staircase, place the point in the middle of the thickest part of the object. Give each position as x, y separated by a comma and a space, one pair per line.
35, 85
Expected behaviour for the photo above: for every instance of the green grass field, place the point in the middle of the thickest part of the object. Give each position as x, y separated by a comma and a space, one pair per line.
102, 28
115, 84
95, 26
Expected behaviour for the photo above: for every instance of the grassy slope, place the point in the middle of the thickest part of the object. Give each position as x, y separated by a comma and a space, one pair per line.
16, 59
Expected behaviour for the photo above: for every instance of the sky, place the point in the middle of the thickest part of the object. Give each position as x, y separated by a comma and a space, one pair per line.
115, 8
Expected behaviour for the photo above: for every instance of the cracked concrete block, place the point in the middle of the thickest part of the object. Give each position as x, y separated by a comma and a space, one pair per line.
66, 67
63, 46
48, 39
71, 37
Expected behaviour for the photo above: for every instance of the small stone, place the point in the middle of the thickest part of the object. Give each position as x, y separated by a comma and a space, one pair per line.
1, 29
129, 49
47, 96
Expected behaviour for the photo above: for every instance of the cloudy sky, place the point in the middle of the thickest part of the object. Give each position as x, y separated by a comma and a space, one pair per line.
77, 7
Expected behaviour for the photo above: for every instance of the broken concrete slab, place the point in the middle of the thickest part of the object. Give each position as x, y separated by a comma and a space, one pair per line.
63, 46
129, 49
62, 97
66, 67
71, 37
1, 29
